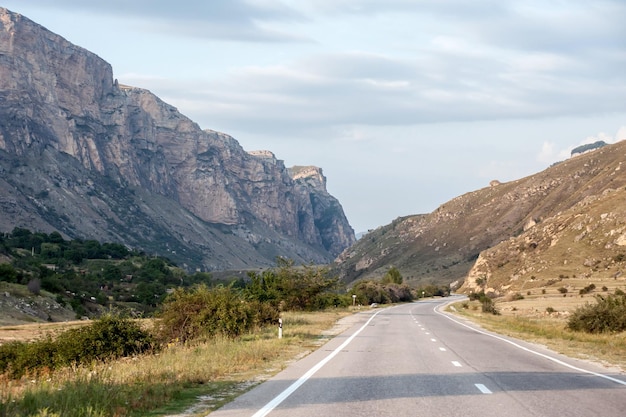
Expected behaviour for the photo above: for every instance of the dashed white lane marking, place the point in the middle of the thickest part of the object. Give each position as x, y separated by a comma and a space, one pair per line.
433, 340
483, 389
457, 364
442, 349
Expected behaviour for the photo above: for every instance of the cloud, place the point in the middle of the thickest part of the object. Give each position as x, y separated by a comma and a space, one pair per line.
240, 20
371, 89
547, 155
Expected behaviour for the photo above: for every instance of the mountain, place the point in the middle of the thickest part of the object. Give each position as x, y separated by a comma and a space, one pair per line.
84, 155
572, 212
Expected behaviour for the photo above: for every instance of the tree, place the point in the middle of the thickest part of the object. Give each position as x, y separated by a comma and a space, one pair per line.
393, 276
8, 273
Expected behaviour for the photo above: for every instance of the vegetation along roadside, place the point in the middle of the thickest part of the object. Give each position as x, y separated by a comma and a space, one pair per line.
152, 339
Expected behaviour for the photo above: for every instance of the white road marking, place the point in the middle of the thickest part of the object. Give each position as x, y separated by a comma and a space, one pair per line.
433, 340
442, 349
457, 364
550, 358
483, 389
293, 387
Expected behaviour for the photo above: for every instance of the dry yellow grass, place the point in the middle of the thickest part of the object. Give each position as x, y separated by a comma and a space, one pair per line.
528, 319
221, 367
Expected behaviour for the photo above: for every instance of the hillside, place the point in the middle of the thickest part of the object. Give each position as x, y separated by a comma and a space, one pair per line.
443, 246
90, 158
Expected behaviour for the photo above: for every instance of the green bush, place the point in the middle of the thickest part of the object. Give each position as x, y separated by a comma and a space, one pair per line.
607, 315
187, 314
488, 306
107, 338
587, 289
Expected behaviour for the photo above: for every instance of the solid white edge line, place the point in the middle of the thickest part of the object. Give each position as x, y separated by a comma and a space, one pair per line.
293, 387
550, 358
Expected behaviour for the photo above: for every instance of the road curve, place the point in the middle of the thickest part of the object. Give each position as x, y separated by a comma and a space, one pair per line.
414, 360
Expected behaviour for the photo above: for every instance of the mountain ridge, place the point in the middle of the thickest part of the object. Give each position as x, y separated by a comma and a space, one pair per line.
442, 247
109, 148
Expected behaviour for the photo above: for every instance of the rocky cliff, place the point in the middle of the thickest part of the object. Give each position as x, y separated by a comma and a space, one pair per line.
504, 224
91, 158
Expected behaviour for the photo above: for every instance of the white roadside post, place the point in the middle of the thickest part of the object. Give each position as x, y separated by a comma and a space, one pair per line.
280, 328
353, 300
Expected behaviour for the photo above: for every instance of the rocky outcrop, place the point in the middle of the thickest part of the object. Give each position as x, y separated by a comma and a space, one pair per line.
59, 99
582, 243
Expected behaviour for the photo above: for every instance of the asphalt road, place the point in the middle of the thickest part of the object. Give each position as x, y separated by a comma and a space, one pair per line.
414, 360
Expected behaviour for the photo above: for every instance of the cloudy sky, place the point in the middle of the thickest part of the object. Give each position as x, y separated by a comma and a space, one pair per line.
405, 104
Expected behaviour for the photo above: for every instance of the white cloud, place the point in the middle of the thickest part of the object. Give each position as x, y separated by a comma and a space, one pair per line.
547, 154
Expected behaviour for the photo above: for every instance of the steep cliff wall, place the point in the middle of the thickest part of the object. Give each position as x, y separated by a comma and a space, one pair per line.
57, 97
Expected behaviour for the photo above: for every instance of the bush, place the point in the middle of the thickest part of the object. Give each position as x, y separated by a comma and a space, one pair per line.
587, 289
607, 315
205, 312
488, 306
563, 290
107, 338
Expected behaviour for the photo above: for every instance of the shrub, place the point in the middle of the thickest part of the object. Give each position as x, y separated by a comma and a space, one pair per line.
393, 276
550, 310
587, 289
488, 306
607, 315
563, 290
107, 338
202, 311
34, 286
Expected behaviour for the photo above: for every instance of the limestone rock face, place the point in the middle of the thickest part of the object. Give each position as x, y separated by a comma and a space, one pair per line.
59, 99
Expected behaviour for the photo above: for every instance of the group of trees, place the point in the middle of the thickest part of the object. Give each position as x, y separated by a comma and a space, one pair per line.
87, 271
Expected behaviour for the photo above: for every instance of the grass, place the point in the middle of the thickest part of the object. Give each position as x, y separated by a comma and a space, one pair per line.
536, 325
204, 375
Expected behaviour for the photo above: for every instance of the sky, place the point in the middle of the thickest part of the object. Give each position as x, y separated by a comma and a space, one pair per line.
404, 104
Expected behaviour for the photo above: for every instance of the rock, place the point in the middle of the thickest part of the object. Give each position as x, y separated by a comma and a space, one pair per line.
59, 100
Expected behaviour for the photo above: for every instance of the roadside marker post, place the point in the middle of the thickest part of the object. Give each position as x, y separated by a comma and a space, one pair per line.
280, 328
